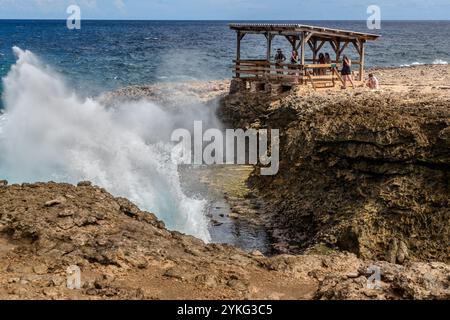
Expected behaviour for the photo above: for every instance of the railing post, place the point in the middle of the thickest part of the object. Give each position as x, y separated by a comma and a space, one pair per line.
302, 59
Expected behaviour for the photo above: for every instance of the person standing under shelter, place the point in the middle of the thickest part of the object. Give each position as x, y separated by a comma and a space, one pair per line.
293, 66
279, 59
294, 57
321, 71
347, 72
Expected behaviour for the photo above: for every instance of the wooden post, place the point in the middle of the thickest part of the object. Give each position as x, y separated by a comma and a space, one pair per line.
315, 51
362, 53
238, 52
269, 46
238, 46
338, 51
302, 58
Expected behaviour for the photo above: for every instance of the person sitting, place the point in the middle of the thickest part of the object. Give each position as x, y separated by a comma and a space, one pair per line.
321, 58
279, 59
294, 61
373, 83
327, 61
294, 57
321, 61
327, 58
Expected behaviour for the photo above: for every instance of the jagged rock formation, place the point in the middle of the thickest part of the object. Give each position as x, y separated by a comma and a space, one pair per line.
124, 253
169, 94
362, 172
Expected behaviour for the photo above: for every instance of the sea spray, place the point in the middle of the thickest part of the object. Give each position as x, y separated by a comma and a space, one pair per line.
49, 133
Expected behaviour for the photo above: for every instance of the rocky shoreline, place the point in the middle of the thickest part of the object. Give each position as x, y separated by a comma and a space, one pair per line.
363, 186
124, 253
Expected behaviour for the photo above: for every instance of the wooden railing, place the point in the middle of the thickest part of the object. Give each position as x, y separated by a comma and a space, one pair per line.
295, 73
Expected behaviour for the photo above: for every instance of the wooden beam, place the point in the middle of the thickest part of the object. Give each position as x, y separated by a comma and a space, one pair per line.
309, 35
292, 40
302, 44
269, 38
315, 51
337, 50
333, 45
238, 48
321, 45
357, 46
311, 45
308, 74
361, 60
341, 51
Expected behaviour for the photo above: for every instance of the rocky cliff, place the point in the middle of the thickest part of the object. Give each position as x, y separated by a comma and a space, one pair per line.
363, 186
365, 172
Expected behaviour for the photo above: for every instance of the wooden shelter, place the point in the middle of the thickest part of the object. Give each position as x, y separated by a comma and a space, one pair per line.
307, 70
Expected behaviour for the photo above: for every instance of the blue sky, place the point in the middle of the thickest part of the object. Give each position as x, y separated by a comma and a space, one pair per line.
227, 9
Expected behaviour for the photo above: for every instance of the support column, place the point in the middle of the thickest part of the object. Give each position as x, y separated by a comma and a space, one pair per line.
338, 51
238, 52
302, 57
238, 46
315, 51
269, 38
362, 54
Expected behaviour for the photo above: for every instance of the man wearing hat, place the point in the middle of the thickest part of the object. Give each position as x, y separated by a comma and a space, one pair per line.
279, 59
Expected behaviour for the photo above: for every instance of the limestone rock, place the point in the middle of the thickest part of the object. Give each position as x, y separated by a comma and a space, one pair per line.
55, 202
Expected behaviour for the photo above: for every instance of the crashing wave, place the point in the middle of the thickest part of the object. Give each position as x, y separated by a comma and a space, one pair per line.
49, 133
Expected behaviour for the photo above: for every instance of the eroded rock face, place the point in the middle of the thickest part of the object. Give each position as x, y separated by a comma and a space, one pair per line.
363, 172
169, 94
125, 253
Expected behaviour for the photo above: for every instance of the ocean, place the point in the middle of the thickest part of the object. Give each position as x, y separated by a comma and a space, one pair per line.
55, 130
105, 55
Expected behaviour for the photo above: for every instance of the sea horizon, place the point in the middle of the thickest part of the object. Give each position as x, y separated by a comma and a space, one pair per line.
230, 20
108, 54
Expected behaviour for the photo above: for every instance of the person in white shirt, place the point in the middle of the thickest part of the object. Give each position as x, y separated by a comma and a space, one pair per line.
373, 83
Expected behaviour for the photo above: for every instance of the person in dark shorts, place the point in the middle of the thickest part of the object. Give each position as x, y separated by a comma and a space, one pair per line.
346, 72
279, 59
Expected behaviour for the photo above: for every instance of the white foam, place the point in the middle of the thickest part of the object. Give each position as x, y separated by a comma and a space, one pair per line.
435, 62
49, 133
412, 64
440, 61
